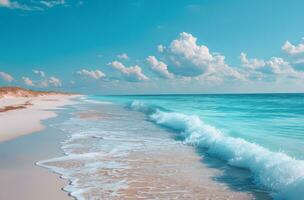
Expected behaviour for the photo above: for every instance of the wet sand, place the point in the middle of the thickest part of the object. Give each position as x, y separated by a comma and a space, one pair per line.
30, 183
21, 178
113, 154
141, 164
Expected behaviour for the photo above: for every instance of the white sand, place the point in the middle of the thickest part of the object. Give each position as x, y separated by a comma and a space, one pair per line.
15, 123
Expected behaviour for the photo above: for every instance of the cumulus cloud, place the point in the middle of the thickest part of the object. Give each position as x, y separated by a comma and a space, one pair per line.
251, 63
6, 77
39, 73
133, 73
281, 67
160, 48
274, 66
31, 5
53, 3
52, 81
43, 81
27, 81
292, 49
159, 67
95, 74
299, 61
219, 70
6, 3
123, 56
56, 82
189, 59
13, 5
186, 58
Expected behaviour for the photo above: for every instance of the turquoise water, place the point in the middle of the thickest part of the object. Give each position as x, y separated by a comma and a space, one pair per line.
262, 133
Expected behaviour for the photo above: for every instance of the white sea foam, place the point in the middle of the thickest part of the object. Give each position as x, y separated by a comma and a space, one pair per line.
81, 170
92, 161
276, 171
86, 99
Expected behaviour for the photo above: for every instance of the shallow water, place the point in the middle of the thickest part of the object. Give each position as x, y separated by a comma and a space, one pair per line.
272, 120
261, 133
113, 152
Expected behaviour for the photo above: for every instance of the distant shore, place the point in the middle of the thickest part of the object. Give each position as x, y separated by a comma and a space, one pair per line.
22, 110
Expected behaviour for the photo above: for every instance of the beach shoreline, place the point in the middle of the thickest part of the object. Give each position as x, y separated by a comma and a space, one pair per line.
41, 164
103, 162
24, 115
26, 138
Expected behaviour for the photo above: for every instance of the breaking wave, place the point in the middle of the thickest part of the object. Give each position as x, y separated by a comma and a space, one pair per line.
276, 171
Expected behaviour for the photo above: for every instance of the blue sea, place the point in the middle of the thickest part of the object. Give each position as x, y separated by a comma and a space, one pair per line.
256, 139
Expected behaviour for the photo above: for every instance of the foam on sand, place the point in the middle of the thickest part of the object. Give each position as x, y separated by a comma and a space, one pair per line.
123, 157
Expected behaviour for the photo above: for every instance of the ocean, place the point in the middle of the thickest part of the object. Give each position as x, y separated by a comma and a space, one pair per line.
256, 141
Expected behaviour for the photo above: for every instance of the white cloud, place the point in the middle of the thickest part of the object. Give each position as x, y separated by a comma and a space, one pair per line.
27, 81
281, 67
45, 82
187, 58
5, 3
52, 3
31, 5
13, 5
218, 69
133, 73
299, 61
123, 56
97, 74
293, 49
251, 63
275, 66
39, 72
6, 77
160, 48
56, 82
159, 67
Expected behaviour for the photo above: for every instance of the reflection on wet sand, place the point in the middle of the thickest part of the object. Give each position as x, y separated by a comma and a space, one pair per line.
123, 158
92, 115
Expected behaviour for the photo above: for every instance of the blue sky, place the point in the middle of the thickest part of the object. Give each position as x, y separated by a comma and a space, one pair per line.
140, 47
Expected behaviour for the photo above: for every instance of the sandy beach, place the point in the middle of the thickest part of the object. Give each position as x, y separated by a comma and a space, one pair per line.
109, 155
55, 146
23, 115
23, 142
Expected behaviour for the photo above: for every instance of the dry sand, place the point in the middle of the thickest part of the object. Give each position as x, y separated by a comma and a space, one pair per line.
23, 115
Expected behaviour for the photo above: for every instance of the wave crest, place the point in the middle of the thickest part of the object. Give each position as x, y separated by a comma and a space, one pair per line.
276, 171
